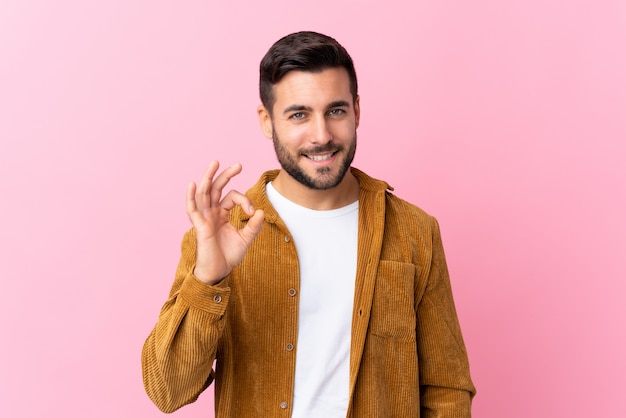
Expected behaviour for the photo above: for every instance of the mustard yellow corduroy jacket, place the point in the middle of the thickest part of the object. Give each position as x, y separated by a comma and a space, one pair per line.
407, 355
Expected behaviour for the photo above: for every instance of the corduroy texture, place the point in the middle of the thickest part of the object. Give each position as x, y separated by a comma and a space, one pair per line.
407, 356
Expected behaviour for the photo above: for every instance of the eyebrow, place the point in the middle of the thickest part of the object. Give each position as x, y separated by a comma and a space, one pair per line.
338, 103
296, 108
300, 108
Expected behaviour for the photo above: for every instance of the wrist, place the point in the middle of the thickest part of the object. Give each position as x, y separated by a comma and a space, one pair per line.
206, 278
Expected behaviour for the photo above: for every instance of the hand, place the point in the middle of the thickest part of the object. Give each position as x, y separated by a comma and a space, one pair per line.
220, 246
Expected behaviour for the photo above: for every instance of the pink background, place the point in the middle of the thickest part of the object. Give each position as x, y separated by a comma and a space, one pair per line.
505, 119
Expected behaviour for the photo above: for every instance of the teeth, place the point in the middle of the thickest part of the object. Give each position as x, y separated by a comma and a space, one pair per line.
320, 157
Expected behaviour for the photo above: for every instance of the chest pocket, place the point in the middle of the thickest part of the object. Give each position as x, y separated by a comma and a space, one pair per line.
393, 306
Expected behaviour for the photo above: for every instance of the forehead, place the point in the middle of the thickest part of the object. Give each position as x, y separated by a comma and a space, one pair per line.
312, 88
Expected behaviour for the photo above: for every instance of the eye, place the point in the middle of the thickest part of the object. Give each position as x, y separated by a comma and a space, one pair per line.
337, 112
297, 116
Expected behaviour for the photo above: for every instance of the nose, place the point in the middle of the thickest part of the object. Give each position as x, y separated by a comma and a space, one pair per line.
321, 131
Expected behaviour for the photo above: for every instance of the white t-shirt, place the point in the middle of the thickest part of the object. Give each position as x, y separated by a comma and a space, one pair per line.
326, 243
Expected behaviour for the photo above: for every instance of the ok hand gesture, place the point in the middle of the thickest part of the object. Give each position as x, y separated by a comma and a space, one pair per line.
220, 246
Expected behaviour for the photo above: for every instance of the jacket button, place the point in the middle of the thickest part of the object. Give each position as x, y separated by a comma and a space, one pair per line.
287, 239
292, 292
283, 405
217, 298
289, 347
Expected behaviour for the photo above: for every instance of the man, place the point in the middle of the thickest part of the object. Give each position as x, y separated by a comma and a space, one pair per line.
318, 293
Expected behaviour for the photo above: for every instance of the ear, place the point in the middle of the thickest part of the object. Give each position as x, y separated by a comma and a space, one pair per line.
357, 111
265, 119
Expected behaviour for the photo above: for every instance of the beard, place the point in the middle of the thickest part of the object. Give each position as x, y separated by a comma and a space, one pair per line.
324, 178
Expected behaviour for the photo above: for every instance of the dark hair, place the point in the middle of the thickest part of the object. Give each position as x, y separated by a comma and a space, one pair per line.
303, 51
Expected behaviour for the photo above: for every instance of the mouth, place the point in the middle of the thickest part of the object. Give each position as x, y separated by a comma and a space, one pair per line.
320, 157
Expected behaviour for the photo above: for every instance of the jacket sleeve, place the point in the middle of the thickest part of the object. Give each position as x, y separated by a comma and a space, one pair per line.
178, 355
446, 387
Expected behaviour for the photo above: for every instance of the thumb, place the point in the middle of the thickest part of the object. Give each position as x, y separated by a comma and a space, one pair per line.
253, 227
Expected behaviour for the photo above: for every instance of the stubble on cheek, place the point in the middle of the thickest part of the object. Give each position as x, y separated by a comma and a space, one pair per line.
324, 178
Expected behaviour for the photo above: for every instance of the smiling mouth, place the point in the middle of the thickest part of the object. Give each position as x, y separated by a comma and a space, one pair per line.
320, 157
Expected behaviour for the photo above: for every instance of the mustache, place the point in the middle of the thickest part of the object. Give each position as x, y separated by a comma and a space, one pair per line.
322, 149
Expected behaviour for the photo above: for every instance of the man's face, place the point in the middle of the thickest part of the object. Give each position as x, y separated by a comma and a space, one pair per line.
313, 126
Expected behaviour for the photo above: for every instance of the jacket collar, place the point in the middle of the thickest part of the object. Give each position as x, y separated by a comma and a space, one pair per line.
260, 200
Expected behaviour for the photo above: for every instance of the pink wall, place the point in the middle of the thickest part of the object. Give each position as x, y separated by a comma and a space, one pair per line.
505, 119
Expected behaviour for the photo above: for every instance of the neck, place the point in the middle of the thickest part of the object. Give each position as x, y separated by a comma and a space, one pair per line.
346, 192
